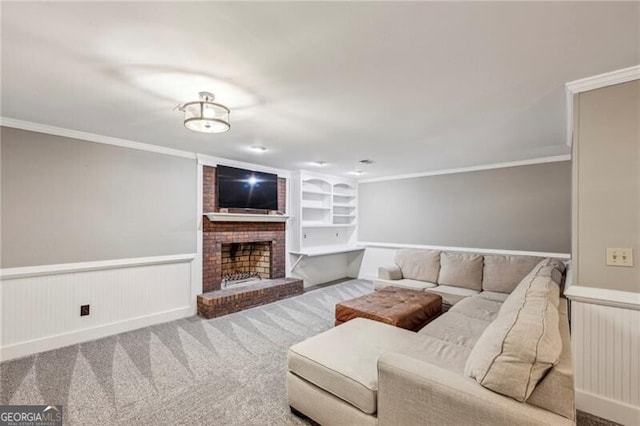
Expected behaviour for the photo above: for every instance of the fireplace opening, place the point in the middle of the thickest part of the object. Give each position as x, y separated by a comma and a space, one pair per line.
245, 263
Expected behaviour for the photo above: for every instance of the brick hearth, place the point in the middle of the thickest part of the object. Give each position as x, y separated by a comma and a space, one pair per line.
227, 301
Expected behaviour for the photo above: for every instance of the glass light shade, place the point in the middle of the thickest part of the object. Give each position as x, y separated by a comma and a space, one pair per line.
206, 116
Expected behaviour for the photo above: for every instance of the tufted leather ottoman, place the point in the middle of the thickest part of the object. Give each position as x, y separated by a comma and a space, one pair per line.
408, 309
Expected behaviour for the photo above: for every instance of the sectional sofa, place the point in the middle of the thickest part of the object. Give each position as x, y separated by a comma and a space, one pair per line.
500, 355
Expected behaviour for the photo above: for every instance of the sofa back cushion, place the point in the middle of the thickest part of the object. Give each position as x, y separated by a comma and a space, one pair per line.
461, 270
523, 342
555, 392
419, 264
547, 269
503, 273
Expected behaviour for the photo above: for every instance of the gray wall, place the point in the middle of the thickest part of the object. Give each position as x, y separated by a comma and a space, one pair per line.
515, 208
66, 200
607, 162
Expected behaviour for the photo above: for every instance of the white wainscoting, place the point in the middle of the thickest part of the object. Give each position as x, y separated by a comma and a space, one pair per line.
40, 306
605, 326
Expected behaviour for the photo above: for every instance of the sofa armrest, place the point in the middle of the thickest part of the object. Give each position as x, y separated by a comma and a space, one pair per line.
389, 272
414, 392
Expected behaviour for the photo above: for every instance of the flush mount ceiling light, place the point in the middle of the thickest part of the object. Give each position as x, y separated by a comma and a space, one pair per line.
205, 116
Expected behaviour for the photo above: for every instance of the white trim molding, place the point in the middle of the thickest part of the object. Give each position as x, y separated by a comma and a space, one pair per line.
92, 137
208, 160
246, 217
30, 347
604, 297
605, 342
66, 268
595, 82
40, 308
607, 408
541, 160
563, 256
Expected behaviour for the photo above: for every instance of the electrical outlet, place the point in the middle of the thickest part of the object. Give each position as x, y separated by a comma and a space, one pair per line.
84, 310
620, 257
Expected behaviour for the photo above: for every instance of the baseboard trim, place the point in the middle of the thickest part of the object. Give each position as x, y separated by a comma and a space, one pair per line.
368, 276
22, 349
606, 408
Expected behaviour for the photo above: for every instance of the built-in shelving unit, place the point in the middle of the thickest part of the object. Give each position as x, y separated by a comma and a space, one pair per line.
325, 215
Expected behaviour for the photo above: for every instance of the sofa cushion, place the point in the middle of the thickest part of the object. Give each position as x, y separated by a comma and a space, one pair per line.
536, 283
461, 270
419, 264
556, 392
343, 360
478, 307
452, 295
444, 354
379, 284
503, 273
456, 328
523, 342
494, 295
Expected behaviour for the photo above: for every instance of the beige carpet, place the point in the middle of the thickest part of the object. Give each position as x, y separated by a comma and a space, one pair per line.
224, 371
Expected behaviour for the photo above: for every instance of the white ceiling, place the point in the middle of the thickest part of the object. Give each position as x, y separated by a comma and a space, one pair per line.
414, 86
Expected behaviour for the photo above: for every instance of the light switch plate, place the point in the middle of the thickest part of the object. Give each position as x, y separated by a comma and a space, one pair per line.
620, 257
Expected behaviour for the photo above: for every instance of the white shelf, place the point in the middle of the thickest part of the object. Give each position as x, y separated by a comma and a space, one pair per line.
316, 208
308, 191
245, 217
323, 251
327, 225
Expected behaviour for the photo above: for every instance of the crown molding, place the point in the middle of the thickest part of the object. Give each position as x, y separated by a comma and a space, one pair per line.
542, 160
595, 82
208, 160
92, 137
604, 80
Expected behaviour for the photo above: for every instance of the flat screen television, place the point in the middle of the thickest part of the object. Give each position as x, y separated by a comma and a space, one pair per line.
246, 189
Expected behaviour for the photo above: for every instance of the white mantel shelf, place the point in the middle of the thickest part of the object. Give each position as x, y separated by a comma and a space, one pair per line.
246, 217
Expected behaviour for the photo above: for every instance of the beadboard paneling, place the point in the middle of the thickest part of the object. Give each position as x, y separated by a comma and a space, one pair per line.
606, 344
43, 312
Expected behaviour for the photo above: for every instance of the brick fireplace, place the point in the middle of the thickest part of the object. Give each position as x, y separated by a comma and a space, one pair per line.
221, 237
252, 248
217, 234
